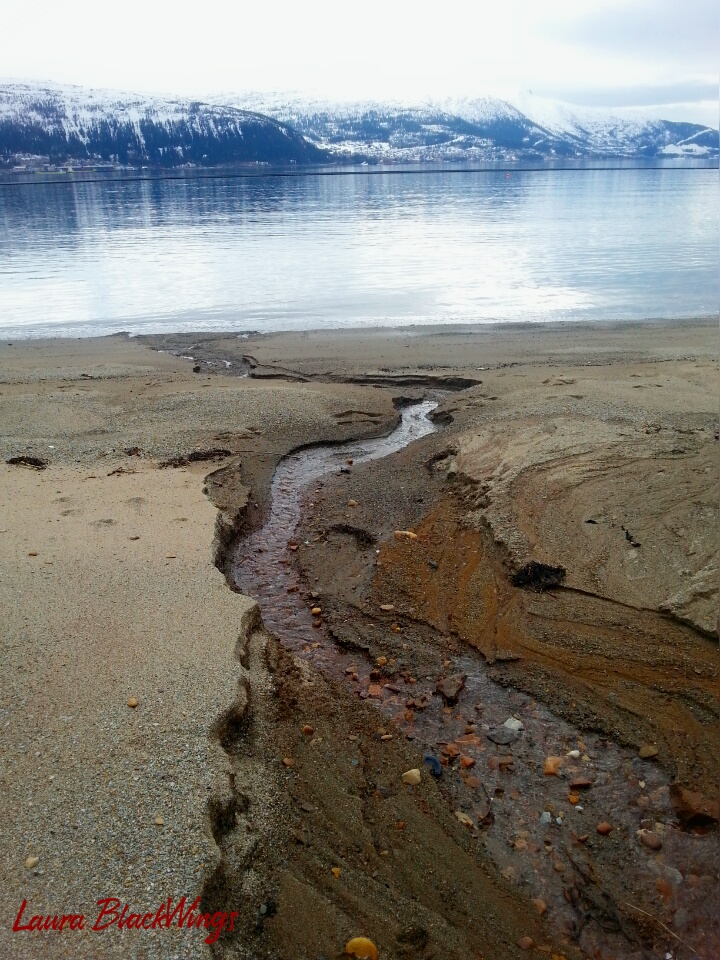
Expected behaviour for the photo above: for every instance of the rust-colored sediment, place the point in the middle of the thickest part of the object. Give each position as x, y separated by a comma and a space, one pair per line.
635, 674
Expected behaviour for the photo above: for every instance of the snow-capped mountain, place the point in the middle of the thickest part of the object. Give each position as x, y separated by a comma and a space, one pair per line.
60, 124
484, 128
56, 124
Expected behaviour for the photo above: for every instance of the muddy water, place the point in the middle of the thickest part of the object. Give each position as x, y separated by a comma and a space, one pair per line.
598, 891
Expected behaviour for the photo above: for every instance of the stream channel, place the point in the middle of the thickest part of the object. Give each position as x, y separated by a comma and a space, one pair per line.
540, 831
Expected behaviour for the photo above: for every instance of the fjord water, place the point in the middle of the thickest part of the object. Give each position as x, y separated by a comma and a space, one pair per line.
277, 252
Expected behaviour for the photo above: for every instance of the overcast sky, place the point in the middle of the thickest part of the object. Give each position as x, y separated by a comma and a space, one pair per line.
661, 55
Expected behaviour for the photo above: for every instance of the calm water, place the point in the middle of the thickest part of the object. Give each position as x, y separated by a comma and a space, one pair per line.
265, 253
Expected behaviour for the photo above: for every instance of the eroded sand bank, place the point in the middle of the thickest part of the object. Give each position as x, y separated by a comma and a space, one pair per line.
615, 425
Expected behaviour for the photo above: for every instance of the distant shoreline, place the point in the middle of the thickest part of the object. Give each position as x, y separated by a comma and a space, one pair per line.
33, 178
407, 329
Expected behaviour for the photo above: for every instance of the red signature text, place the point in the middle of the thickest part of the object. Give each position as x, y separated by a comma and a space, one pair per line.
113, 913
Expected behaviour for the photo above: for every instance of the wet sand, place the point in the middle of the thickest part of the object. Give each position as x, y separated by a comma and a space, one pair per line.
612, 424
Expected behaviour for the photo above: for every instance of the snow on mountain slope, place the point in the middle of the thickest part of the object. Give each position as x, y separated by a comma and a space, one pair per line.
59, 122
62, 122
529, 127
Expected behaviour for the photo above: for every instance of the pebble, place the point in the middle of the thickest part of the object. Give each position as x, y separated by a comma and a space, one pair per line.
31, 862
581, 783
502, 736
159, 821
412, 777
604, 828
361, 948
381, 661
387, 606
352, 503
650, 840
435, 766
449, 687
288, 762
336, 871
316, 611
512, 723
464, 819
574, 754
526, 943
540, 906
308, 730
647, 751
451, 750
405, 535
574, 798
375, 691
466, 762
132, 702
552, 766
545, 817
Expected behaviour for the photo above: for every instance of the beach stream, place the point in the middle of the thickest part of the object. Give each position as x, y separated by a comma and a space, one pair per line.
644, 890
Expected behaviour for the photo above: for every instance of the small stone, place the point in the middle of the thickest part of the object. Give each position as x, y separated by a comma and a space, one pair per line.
545, 817
581, 783
386, 736
435, 766
502, 736
526, 943
159, 821
650, 840
412, 777
451, 750
540, 906
405, 535
648, 751
552, 766
349, 461
464, 819
387, 607
132, 702
449, 687
604, 828
375, 691
31, 862
573, 754
466, 762
288, 762
336, 871
381, 661
32, 553
573, 798
512, 723
316, 611
352, 503
308, 730
361, 948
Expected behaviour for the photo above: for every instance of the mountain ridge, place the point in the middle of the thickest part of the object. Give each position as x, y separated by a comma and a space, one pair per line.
483, 128
55, 124
58, 124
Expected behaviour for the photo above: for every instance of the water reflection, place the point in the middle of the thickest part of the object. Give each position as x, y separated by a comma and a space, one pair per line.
287, 252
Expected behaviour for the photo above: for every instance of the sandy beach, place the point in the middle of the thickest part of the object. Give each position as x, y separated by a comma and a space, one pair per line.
159, 741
